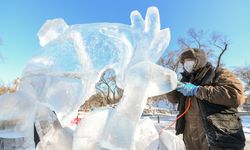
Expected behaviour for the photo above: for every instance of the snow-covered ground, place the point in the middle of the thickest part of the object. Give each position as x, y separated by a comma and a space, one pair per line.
246, 128
166, 120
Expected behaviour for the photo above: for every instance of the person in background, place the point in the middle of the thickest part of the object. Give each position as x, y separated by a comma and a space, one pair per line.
211, 122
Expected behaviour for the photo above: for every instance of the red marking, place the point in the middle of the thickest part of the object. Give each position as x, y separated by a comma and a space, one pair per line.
76, 121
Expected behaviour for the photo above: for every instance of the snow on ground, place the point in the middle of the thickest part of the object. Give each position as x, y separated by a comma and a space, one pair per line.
166, 120
246, 128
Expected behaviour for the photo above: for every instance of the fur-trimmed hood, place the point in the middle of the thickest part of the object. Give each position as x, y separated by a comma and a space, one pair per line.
198, 55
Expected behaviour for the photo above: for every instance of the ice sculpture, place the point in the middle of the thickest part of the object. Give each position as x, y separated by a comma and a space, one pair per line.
64, 72
117, 128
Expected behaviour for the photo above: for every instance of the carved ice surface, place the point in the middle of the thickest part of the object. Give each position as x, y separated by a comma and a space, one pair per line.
62, 75
142, 77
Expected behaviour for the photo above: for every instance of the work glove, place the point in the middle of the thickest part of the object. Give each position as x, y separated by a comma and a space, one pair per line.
187, 89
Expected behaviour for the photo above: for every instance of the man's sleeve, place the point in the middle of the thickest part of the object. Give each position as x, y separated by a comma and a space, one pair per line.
228, 91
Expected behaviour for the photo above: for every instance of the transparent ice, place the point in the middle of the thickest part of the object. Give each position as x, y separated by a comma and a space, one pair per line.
63, 74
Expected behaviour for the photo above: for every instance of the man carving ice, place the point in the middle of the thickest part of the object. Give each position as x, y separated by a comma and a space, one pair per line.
211, 121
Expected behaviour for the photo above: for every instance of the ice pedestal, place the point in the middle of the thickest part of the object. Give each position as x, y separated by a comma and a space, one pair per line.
89, 134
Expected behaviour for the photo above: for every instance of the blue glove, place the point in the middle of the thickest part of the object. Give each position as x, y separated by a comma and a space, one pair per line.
188, 89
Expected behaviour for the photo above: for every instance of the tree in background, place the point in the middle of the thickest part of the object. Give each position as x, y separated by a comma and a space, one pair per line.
213, 43
107, 92
11, 88
108, 88
7, 88
244, 74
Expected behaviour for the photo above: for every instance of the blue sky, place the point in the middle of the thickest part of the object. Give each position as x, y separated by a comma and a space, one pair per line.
20, 21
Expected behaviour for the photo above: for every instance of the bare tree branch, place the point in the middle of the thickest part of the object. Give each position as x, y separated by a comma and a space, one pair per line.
195, 39
170, 60
196, 36
244, 74
220, 43
200, 39
108, 88
183, 43
222, 52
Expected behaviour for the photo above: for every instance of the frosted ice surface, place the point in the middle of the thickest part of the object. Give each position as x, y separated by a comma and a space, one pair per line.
51, 30
14, 122
146, 135
50, 132
89, 131
170, 141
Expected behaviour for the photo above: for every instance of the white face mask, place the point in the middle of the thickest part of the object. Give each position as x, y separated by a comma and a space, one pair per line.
189, 65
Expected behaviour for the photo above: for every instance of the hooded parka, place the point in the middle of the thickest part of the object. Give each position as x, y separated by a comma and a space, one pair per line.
211, 122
